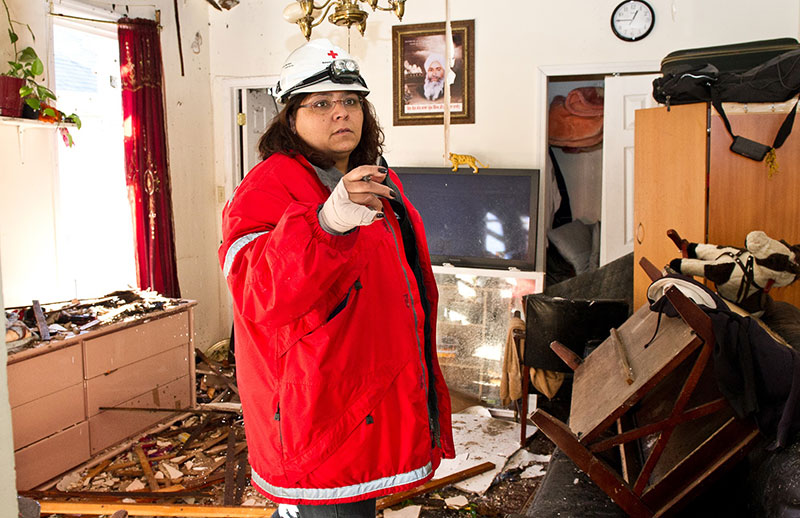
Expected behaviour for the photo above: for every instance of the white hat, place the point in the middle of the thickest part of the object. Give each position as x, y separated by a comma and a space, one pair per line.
319, 66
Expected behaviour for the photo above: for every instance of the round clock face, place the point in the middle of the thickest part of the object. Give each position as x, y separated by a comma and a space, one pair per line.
632, 20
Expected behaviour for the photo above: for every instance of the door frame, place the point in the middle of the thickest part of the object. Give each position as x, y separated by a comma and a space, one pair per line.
225, 110
545, 73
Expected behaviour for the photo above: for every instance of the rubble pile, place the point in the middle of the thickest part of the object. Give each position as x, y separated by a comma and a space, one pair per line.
34, 325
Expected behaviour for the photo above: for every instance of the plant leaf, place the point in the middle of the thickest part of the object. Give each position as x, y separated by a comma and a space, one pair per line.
33, 102
25, 91
28, 55
50, 112
77, 120
37, 67
12, 36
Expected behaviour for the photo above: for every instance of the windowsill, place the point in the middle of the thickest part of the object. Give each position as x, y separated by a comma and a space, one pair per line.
32, 123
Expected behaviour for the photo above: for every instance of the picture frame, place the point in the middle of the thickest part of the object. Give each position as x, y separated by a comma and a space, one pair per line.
417, 94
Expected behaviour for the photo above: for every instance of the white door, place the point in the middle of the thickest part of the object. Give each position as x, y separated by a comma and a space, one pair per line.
623, 96
258, 107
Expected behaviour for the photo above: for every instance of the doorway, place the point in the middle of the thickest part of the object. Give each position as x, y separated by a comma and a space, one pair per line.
596, 179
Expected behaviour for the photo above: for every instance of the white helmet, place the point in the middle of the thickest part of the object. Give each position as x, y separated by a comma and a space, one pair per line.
319, 66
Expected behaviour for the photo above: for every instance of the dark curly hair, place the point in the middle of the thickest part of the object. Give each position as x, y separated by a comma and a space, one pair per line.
279, 138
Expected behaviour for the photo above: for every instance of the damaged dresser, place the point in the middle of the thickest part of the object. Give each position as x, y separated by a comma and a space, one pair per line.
57, 389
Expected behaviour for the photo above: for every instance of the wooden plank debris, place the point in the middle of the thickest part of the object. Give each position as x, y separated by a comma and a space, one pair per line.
41, 323
230, 467
171, 410
395, 499
231, 385
148, 472
115, 495
183, 510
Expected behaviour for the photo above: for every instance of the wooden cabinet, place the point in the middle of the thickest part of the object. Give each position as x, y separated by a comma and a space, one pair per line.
686, 178
56, 390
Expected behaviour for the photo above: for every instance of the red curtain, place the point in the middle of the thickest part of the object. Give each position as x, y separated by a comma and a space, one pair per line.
146, 168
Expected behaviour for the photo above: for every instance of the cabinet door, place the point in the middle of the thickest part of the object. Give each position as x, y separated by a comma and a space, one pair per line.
670, 185
743, 196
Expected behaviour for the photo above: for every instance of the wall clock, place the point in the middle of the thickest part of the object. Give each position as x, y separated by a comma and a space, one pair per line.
632, 20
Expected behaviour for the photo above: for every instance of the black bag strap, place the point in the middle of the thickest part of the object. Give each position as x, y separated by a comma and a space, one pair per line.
750, 148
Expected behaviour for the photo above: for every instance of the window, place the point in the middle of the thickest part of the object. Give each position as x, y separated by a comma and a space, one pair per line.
94, 230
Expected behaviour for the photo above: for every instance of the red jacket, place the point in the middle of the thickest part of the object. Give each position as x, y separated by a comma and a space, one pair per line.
341, 390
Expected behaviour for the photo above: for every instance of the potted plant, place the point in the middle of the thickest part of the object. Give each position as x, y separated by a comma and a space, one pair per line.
18, 85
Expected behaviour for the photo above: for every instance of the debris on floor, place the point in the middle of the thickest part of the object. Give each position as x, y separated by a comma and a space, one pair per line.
480, 438
198, 464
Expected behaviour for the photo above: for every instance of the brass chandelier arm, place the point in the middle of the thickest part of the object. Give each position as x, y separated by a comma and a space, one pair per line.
376, 6
325, 14
315, 7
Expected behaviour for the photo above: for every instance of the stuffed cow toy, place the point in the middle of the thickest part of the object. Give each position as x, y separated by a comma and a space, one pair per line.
743, 276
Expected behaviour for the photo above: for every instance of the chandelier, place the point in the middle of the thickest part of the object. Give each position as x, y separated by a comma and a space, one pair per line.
307, 15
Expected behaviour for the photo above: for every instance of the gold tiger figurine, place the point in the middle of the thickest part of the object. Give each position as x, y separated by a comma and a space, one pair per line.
469, 160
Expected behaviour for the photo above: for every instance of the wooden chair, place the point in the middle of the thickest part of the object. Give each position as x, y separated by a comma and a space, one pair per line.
647, 423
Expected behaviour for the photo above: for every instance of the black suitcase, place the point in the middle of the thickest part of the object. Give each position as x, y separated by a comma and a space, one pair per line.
759, 71
737, 57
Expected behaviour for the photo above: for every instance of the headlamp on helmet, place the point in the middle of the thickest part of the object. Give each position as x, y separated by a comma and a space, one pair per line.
319, 66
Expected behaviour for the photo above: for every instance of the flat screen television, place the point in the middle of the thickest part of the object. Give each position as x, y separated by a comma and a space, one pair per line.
483, 220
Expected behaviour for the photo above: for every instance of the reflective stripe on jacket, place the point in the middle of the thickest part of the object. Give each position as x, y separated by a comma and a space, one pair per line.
341, 390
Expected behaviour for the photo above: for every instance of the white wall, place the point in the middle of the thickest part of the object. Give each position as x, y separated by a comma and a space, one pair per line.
27, 191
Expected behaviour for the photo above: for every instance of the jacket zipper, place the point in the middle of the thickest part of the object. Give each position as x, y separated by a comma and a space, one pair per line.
280, 429
434, 426
423, 385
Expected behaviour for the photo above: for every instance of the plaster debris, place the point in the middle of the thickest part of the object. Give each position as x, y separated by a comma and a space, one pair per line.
456, 501
411, 511
69, 480
135, 485
536, 470
480, 439
171, 471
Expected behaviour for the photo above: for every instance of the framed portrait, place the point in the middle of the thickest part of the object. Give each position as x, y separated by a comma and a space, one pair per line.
419, 73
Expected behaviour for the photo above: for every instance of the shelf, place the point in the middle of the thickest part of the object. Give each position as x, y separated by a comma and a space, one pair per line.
33, 123
23, 125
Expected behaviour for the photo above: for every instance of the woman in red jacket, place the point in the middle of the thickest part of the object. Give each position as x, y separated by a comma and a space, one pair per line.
334, 303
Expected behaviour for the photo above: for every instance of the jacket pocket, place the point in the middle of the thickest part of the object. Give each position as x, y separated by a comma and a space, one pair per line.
313, 321
343, 304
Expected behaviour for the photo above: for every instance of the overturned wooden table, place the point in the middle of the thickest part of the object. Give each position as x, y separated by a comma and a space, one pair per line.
647, 423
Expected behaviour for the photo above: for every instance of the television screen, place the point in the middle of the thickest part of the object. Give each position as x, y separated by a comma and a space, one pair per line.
483, 220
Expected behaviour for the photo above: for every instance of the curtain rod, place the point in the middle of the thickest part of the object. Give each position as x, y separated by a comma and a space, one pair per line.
157, 20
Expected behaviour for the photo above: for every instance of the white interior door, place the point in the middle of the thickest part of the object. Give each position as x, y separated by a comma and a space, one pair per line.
623, 96
258, 107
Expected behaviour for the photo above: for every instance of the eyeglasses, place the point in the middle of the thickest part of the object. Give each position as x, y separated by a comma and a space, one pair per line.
324, 106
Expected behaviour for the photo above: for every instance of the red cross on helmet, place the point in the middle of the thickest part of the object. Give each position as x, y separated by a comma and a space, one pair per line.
319, 66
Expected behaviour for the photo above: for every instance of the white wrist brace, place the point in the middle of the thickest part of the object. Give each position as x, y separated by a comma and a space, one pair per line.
340, 214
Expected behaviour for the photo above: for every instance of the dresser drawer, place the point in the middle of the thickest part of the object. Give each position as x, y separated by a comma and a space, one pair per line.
112, 426
47, 415
49, 457
137, 378
126, 346
40, 376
